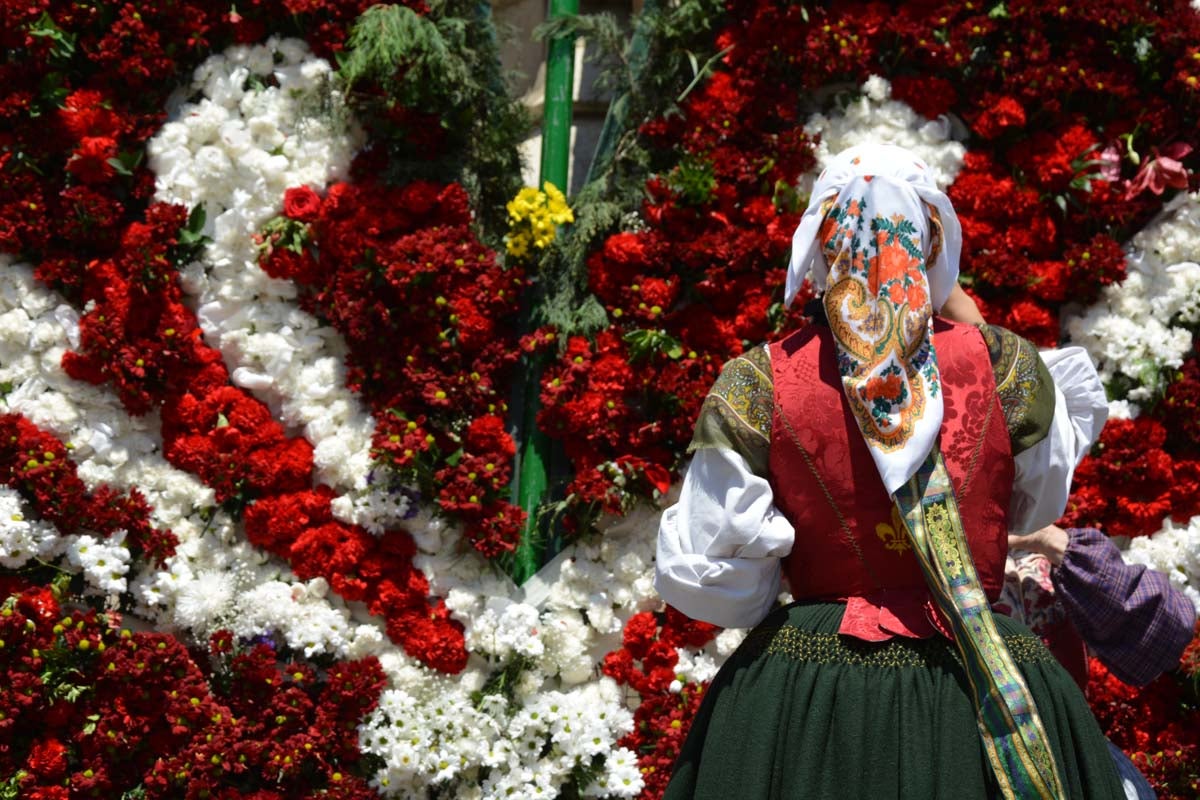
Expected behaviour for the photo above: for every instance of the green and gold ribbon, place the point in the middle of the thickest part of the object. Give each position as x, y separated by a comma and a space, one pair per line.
1012, 732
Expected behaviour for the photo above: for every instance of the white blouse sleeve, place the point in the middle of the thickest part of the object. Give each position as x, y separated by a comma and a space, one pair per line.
1044, 471
719, 547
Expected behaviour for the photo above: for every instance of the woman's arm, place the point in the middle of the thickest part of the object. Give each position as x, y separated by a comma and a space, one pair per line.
1131, 617
961, 308
719, 547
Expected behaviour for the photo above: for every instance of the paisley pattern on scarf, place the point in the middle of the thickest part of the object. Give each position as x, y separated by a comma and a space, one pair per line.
877, 303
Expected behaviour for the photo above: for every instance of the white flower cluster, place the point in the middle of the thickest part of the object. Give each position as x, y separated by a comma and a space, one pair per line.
1136, 330
1174, 551
104, 562
252, 134
23, 539
437, 740
874, 117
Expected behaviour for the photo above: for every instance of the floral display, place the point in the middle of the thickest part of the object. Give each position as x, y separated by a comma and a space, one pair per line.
91, 709
254, 387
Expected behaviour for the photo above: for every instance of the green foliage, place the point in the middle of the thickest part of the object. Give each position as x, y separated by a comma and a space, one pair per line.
61, 673
191, 237
445, 68
693, 180
10, 789
410, 56
670, 52
504, 681
62, 44
646, 343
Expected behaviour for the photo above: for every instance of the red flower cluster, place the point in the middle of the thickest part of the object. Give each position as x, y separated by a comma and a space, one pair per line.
90, 710
1151, 484
1179, 410
613, 488
1158, 727
685, 296
429, 316
36, 464
662, 721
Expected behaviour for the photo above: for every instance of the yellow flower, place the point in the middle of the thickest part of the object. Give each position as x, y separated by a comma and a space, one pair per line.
533, 218
518, 245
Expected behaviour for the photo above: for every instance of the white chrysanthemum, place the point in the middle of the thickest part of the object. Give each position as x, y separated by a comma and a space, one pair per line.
621, 776
729, 640
568, 641
378, 507
103, 562
1123, 409
697, 668
204, 602
17, 543
875, 117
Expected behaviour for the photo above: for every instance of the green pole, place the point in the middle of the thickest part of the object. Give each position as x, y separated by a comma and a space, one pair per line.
558, 102
535, 446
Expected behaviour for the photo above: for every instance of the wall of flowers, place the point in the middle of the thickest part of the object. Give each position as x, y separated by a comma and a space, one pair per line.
268, 282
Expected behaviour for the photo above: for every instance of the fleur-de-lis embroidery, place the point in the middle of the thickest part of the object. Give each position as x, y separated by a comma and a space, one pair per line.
892, 535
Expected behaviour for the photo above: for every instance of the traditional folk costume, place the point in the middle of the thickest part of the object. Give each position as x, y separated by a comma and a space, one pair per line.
880, 460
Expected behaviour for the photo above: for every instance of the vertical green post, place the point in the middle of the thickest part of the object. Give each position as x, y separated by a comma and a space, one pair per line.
558, 101
556, 154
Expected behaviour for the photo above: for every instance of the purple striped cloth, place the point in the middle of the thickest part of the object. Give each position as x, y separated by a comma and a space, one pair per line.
1130, 616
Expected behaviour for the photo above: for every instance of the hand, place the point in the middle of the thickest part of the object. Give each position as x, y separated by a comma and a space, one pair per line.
1051, 542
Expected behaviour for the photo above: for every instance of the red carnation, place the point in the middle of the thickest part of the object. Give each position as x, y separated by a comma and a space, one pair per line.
89, 163
301, 203
85, 113
47, 759
640, 632
999, 114
431, 638
929, 96
487, 435
289, 265
1048, 281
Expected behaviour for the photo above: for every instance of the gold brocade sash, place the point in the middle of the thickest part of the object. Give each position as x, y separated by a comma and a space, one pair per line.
1012, 732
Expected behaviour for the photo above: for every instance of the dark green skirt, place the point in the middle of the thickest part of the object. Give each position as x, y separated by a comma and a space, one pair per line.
801, 712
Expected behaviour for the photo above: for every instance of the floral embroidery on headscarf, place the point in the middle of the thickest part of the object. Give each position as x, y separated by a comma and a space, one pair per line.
877, 303
883, 242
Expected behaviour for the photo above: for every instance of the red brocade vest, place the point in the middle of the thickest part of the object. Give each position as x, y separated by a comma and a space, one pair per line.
849, 545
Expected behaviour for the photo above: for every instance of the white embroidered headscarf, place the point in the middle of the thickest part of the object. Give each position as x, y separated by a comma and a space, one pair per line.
882, 242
